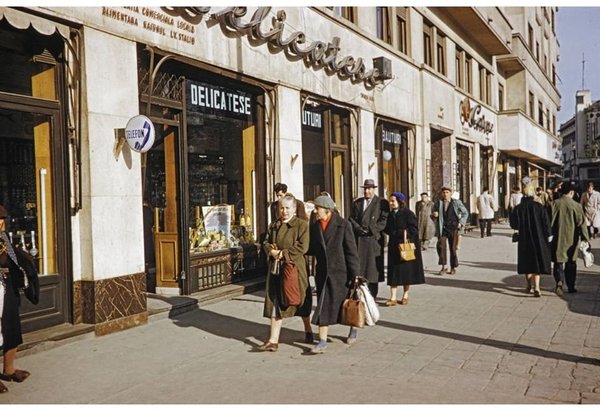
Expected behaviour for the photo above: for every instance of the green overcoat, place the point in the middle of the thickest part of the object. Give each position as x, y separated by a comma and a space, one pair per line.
568, 225
292, 238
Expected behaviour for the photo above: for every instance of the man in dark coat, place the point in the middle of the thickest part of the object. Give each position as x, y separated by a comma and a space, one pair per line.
368, 219
333, 246
531, 219
568, 226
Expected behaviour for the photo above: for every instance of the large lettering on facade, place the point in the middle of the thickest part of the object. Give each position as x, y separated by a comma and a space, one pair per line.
318, 54
472, 117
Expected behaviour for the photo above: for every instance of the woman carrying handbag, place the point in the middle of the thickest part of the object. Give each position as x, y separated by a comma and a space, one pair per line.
402, 226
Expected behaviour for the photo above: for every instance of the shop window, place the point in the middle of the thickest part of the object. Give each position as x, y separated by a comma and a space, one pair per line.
428, 43
384, 24
391, 143
402, 14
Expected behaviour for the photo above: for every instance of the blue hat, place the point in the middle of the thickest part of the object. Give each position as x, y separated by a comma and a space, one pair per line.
399, 196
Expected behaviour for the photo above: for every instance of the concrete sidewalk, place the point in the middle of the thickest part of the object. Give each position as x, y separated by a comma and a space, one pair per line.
475, 337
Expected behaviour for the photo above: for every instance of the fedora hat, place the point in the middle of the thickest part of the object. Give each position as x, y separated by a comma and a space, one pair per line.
369, 183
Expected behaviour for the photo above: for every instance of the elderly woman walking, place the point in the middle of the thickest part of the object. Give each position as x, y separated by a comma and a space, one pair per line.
287, 241
333, 245
401, 223
534, 257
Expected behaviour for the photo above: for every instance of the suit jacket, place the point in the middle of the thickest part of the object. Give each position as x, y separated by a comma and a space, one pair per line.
368, 225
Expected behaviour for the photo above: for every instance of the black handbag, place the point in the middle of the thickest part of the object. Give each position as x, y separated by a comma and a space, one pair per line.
515, 237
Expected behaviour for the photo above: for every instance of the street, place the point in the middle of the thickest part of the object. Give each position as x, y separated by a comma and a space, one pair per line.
475, 337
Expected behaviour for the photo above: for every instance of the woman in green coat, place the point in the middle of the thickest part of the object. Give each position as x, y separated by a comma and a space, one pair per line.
287, 240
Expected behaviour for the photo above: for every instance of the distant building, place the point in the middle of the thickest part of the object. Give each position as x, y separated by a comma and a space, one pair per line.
581, 140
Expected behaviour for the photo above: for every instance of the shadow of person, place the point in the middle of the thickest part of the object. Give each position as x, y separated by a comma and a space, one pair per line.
231, 327
510, 285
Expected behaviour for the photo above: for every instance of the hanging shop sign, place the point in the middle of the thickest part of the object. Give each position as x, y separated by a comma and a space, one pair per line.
391, 136
139, 133
473, 117
312, 119
217, 100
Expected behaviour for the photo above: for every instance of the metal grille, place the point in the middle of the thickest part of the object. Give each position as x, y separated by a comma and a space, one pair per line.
166, 85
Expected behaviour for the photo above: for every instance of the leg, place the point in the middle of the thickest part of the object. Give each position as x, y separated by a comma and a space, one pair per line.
374, 289
272, 344
482, 224
322, 345
392, 300
352, 335
308, 335
528, 277
558, 273
489, 227
404, 300
536, 284
9, 361
453, 239
441, 250
571, 275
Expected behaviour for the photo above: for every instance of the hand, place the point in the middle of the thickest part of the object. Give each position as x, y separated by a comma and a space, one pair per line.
435, 214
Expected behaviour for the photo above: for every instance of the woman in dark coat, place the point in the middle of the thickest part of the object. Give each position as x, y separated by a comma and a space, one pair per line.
333, 245
287, 240
12, 278
531, 220
402, 220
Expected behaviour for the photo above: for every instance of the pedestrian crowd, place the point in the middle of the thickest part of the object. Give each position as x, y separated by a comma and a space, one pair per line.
549, 226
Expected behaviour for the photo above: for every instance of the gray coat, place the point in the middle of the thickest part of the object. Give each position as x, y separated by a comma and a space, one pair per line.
368, 226
337, 265
426, 227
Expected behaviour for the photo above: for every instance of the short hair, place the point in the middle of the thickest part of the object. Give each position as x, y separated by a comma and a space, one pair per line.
566, 188
538, 189
424, 193
280, 187
289, 199
485, 189
590, 184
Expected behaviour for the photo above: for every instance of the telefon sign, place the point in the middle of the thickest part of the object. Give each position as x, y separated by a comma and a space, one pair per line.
139, 133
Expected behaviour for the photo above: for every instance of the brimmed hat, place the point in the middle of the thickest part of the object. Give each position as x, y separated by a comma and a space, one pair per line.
324, 202
369, 183
3, 212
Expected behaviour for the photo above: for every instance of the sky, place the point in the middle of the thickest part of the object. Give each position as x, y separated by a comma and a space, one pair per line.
578, 32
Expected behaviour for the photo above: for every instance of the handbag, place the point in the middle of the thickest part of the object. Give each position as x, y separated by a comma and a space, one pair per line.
372, 312
407, 250
353, 311
586, 254
290, 284
515, 237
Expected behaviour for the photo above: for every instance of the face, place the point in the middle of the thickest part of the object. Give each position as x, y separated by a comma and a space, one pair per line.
393, 202
424, 198
279, 195
369, 192
446, 195
590, 188
2, 224
286, 211
321, 213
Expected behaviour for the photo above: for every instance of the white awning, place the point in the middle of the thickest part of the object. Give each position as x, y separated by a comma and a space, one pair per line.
22, 20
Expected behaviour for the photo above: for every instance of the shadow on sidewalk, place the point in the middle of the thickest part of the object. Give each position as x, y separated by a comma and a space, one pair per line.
511, 285
512, 347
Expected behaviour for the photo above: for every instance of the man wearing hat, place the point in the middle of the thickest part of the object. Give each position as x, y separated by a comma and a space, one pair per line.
332, 244
368, 218
450, 215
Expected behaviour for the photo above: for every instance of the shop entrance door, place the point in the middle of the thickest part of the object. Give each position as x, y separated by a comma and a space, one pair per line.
32, 189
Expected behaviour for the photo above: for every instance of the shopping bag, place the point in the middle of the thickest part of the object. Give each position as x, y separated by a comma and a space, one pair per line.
353, 311
586, 254
371, 311
407, 250
290, 285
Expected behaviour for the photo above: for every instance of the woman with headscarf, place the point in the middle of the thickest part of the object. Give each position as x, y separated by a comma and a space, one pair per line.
402, 221
531, 220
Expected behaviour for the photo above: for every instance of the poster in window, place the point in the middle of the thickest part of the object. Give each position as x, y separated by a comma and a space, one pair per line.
217, 221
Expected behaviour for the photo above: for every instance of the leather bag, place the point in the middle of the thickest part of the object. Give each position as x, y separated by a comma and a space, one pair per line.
407, 250
290, 284
353, 311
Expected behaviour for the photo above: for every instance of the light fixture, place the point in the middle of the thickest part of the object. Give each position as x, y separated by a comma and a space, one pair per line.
387, 155
371, 165
293, 160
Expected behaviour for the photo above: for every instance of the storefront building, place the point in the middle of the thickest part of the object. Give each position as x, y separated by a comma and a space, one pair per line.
239, 99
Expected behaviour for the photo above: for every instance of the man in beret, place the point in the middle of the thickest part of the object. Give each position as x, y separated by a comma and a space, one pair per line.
450, 215
333, 246
368, 219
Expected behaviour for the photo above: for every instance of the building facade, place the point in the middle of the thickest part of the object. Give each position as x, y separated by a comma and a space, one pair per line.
581, 141
319, 98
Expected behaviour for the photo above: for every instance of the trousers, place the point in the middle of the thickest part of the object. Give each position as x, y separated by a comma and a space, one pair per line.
566, 273
447, 241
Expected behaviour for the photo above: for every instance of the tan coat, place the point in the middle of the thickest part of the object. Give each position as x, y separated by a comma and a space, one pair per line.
292, 238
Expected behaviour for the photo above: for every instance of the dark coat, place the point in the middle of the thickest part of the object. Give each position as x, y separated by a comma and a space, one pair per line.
531, 219
292, 238
337, 265
368, 226
403, 272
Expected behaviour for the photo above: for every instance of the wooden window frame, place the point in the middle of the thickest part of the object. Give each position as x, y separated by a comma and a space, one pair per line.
531, 105
469, 74
384, 24
459, 62
402, 28
428, 44
440, 52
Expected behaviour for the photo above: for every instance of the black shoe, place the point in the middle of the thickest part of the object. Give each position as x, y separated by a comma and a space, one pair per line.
308, 337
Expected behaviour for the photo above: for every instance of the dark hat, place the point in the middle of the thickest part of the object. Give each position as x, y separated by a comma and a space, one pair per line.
324, 202
445, 188
3, 212
399, 196
369, 183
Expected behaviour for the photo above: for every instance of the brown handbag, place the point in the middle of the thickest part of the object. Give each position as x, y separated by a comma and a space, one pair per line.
290, 284
407, 250
353, 311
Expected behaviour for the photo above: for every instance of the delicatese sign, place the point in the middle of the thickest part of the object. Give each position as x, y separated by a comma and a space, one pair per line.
180, 24
213, 99
472, 117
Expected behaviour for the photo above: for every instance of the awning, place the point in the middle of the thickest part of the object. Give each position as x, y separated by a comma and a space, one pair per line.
22, 20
